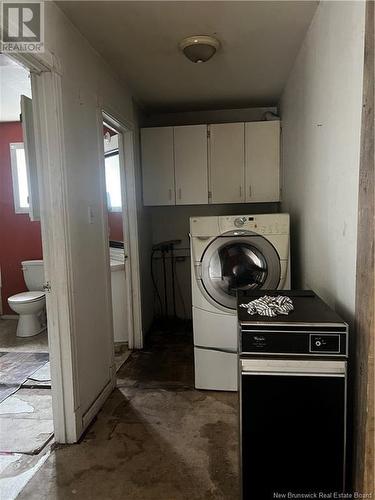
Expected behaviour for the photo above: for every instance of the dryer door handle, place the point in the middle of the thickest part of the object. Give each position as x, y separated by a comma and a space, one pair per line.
198, 270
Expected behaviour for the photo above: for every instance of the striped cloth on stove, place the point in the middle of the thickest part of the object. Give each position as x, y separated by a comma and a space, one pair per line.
269, 306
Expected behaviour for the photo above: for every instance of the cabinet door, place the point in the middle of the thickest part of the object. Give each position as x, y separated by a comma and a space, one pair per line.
227, 157
190, 156
262, 164
157, 166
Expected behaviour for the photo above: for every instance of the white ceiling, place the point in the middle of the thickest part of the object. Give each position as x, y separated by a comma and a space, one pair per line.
139, 39
14, 81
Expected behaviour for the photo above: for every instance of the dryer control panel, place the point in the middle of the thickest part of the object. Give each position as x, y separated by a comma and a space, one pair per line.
240, 221
261, 224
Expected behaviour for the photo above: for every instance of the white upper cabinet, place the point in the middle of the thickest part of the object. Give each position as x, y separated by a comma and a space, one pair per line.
190, 156
158, 166
227, 157
233, 163
262, 161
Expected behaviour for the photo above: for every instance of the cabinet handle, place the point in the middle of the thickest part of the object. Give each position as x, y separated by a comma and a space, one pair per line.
179, 193
170, 194
249, 190
240, 192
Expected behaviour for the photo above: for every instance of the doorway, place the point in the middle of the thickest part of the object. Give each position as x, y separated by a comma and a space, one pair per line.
121, 203
25, 390
82, 368
118, 239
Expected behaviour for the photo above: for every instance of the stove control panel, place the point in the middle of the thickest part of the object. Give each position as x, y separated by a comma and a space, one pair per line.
306, 343
325, 343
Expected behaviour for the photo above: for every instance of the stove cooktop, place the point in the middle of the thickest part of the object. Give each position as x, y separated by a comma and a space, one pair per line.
308, 308
311, 329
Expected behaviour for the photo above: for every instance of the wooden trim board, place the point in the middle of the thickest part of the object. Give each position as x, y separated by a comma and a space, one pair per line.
364, 316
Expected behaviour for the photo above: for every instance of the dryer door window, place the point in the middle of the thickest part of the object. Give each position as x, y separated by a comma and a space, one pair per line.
239, 263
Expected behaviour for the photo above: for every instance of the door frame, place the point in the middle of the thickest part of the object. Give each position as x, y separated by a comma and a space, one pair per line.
46, 80
45, 73
126, 145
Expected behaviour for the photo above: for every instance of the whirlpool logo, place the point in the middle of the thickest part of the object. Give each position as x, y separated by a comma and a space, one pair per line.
22, 26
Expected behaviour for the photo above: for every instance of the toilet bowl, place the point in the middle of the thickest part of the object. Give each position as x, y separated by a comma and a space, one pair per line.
30, 305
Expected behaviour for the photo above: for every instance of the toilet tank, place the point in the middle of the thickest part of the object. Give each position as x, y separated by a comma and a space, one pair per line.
33, 273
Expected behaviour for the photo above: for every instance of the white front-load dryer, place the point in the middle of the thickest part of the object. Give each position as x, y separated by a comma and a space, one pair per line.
230, 253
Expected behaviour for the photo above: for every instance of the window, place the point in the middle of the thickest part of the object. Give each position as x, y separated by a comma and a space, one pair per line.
113, 181
19, 175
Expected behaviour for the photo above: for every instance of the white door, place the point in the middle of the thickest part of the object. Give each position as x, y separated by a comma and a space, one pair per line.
158, 166
75, 248
190, 153
227, 157
262, 161
30, 156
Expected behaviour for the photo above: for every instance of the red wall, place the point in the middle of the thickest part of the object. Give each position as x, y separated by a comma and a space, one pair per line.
115, 226
20, 238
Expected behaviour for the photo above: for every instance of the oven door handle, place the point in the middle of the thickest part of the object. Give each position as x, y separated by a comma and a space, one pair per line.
293, 367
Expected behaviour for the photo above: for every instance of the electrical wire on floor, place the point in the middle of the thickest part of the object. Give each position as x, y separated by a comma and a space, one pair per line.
179, 290
156, 291
168, 319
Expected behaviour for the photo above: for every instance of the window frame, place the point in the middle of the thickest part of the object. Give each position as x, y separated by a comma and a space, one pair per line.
13, 147
108, 154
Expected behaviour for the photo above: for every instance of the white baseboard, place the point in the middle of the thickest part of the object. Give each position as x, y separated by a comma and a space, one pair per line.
98, 403
9, 316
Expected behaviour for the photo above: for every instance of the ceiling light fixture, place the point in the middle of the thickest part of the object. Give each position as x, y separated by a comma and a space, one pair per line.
200, 48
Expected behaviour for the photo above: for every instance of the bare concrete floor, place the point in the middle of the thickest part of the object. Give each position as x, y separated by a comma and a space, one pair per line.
156, 438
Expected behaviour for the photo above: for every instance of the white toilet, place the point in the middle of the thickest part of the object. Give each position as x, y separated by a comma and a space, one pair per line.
30, 305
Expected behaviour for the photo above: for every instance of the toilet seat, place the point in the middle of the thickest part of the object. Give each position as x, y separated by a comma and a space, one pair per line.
26, 297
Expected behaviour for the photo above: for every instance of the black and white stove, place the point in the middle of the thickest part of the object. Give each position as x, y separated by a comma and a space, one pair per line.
293, 377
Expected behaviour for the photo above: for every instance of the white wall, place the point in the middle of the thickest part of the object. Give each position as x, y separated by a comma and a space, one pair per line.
321, 112
206, 116
88, 85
